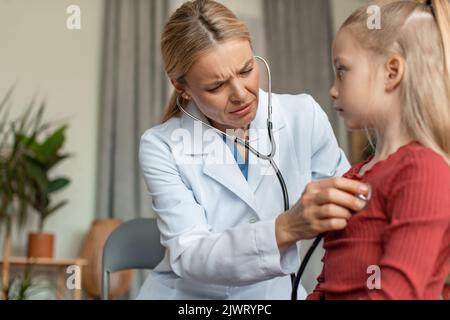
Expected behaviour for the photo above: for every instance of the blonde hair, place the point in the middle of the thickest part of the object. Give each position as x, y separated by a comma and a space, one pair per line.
195, 27
419, 31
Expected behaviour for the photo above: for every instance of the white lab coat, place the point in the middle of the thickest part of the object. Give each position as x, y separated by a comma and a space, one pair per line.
219, 229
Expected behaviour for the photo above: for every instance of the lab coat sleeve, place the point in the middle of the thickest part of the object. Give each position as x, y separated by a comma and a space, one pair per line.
328, 160
239, 256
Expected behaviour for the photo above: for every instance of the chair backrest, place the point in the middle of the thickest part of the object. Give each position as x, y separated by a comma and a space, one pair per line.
133, 245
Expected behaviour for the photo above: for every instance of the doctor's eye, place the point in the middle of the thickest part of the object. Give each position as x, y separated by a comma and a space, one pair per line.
216, 88
246, 72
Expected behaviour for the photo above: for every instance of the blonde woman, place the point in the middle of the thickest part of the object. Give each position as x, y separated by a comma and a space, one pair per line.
395, 81
220, 209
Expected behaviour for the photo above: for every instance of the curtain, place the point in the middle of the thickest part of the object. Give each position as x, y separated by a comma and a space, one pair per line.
299, 35
133, 94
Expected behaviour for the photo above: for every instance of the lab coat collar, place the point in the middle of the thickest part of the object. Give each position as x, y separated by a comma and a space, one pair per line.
215, 152
259, 139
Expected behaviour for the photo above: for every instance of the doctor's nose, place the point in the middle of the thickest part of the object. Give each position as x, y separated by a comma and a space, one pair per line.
239, 92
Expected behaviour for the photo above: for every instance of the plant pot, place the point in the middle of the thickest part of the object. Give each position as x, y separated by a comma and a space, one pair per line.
40, 245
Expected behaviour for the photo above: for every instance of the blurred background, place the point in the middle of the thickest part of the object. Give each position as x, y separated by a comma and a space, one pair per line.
106, 83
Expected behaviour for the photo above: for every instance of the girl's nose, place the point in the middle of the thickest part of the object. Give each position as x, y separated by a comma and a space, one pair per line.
334, 92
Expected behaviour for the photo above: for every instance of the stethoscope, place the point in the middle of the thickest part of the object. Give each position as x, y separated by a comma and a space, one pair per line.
270, 158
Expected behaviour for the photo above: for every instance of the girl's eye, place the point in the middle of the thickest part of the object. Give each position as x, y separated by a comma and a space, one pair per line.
341, 72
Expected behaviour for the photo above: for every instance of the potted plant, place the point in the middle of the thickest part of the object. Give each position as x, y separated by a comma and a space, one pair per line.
42, 157
26, 164
13, 176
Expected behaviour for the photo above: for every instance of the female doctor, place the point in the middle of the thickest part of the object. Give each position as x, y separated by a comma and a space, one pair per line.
220, 208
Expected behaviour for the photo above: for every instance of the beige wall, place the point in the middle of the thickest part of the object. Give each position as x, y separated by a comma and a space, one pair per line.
342, 9
42, 56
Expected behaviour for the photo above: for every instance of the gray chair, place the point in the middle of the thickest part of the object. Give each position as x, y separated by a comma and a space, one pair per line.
133, 245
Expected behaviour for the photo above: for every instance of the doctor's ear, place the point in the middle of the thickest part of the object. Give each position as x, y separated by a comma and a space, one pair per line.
180, 88
394, 70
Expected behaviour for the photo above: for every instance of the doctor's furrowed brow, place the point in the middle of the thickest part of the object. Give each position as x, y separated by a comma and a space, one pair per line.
218, 80
247, 64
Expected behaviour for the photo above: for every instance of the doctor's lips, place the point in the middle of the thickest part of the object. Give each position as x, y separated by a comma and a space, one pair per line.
243, 110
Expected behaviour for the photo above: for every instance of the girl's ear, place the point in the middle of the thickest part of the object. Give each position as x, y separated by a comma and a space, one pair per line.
394, 71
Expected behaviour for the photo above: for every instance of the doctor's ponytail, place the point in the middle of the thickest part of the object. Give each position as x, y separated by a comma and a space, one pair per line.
195, 27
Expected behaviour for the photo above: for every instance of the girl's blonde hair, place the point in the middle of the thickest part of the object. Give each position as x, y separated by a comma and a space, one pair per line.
419, 31
194, 28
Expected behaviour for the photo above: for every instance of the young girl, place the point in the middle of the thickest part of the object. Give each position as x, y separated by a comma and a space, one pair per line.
395, 82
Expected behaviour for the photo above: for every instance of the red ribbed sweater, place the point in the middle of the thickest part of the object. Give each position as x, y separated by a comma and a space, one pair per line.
404, 230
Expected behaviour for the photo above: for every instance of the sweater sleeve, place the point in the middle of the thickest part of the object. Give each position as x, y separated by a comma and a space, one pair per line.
419, 208
243, 255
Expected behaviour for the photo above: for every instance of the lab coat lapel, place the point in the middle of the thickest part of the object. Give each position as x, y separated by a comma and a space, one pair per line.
229, 175
218, 161
259, 139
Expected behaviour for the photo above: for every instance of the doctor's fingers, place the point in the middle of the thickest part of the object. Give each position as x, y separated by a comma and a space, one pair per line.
331, 225
347, 185
332, 211
339, 198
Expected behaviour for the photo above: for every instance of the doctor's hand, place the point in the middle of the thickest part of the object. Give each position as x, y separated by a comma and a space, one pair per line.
324, 206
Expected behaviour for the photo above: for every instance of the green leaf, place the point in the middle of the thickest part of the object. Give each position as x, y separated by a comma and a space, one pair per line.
22, 200
7, 96
51, 146
4, 116
37, 175
6, 99
55, 208
57, 159
24, 119
36, 122
57, 184
25, 145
